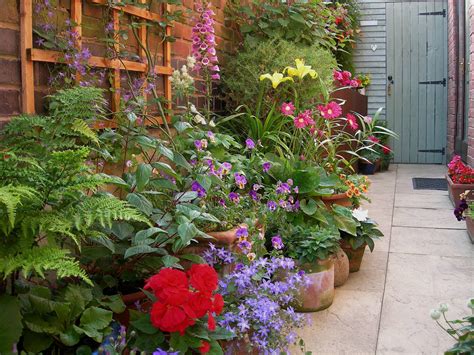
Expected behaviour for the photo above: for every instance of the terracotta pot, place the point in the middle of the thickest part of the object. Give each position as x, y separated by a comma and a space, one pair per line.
237, 347
354, 255
341, 268
470, 228
454, 190
319, 294
337, 199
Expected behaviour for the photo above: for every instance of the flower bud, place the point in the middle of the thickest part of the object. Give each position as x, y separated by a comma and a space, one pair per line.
435, 314
443, 307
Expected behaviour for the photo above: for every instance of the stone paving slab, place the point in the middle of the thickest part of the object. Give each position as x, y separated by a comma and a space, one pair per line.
426, 218
414, 200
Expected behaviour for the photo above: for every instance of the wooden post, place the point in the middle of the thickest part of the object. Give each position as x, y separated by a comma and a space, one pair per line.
26, 43
116, 76
167, 63
76, 17
142, 35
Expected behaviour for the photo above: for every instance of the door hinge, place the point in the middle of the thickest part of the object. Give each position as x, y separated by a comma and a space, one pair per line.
434, 13
438, 82
442, 151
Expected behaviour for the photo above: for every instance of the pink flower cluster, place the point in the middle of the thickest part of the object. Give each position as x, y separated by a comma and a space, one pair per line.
345, 78
204, 41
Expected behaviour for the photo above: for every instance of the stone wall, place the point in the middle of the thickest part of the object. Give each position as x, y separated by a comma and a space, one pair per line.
10, 69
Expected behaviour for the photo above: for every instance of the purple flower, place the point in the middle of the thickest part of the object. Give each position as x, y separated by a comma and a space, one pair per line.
254, 195
240, 180
198, 145
234, 197
196, 186
242, 232
277, 243
159, 351
283, 188
296, 189
249, 143
222, 202
266, 166
245, 246
272, 205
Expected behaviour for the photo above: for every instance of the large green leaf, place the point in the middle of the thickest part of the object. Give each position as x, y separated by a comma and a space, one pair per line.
36, 342
143, 324
10, 326
143, 249
143, 235
143, 175
140, 202
308, 206
94, 320
70, 337
187, 231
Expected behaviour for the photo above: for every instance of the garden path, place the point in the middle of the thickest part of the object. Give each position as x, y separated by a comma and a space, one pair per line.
425, 258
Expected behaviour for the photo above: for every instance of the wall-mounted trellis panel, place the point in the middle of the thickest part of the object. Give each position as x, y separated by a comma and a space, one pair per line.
29, 54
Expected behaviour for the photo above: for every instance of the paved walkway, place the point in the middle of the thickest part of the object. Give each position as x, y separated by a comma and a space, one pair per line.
425, 258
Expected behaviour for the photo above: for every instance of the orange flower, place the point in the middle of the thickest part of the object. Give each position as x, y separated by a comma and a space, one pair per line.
357, 192
363, 188
342, 177
349, 193
348, 182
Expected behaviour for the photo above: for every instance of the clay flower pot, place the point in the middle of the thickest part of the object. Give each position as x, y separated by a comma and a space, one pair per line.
355, 255
454, 190
337, 199
319, 294
341, 268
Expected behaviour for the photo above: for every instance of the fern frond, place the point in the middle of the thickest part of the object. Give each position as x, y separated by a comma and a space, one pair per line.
40, 260
82, 128
104, 209
11, 197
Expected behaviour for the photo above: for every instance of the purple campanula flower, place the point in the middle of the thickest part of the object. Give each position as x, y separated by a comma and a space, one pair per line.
240, 180
277, 243
250, 144
266, 166
272, 205
234, 197
196, 186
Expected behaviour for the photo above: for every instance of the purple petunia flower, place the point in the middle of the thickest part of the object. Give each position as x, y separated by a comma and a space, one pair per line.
277, 243
196, 186
272, 205
234, 197
266, 166
240, 180
249, 143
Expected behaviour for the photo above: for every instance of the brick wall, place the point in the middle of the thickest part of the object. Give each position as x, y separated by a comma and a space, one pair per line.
470, 151
452, 76
10, 69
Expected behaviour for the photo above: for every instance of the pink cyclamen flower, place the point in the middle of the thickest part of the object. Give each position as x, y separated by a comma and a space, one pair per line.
331, 110
287, 108
352, 121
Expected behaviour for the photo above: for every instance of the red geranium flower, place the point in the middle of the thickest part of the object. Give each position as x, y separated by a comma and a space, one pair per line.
169, 318
218, 304
200, 304
211, 322
170, 286
205, 347
203, 278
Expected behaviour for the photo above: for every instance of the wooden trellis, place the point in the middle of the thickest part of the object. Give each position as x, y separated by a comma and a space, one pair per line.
29, 55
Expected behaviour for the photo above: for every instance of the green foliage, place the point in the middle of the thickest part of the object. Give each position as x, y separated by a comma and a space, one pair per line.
66, 318
50, 201
309, 243
10, 327
366, 233
242, 72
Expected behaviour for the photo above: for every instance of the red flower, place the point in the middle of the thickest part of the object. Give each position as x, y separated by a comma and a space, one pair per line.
218, 304
386, 149
205, 347
211, 322
203, 278
170, 286
169, 318
200, 304
352, 121
338, 20
373, 139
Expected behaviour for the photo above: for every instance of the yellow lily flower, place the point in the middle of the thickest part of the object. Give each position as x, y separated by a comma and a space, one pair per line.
276, 78
301, 70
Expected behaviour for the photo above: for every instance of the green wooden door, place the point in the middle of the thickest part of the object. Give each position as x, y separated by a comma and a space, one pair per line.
417, 80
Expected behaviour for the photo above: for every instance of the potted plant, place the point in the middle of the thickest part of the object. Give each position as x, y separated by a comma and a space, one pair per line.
464, 211
354, 244
313, 247
369, 162
460, 178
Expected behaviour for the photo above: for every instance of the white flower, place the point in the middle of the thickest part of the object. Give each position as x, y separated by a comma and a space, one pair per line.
212, 124
435, 314
200, 119
360, 214
443, 307
190, 61
193, 109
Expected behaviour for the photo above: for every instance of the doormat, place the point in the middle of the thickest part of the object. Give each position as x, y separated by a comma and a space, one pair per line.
430, 184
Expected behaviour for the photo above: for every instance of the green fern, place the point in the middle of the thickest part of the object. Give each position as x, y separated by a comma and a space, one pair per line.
82, 128
42, 259
10, 198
